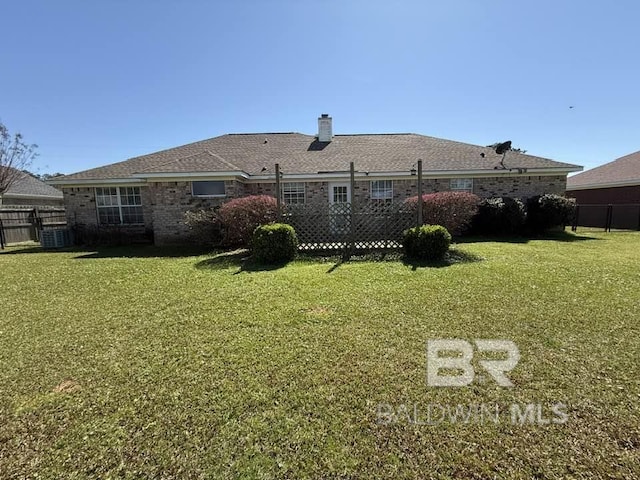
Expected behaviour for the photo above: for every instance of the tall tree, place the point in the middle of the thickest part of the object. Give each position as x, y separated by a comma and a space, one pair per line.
15, 156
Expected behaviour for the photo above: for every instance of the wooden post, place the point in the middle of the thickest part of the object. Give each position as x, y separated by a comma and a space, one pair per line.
607, 227
1, 235
576, 215
37, 223
419, 193
278, 192
352, 186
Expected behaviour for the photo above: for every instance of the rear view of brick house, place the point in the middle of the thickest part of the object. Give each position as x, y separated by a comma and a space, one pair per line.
152, 192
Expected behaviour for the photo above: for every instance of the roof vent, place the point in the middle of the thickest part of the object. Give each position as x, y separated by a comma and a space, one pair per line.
325, 129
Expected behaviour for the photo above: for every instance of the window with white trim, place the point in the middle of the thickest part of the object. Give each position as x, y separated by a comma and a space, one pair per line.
119, 205
461, 185
208, 188
382, 190
293, 192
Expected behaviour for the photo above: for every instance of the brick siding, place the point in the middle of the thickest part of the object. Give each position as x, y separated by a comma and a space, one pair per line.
164, 203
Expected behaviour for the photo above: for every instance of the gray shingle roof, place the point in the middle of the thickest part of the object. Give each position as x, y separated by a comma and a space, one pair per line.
303, 154
26, 185
624, 170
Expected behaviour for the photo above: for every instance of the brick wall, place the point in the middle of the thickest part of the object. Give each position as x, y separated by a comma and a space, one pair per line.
80, 203
164, 203
520, 187
170, 201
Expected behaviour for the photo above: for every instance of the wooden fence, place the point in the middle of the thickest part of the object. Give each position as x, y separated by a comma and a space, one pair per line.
23, 224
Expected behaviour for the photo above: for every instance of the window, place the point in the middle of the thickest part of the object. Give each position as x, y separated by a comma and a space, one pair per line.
119, 205
293, 193
462, 185
208, 189
382, 190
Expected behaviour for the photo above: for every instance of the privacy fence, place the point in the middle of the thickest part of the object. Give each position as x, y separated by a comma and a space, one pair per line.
24, 224
622, 216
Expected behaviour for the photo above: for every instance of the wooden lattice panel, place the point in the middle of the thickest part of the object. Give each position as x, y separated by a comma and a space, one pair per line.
336, 227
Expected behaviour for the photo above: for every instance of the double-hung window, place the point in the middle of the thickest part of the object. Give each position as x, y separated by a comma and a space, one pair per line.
119, 205
382, 190
461, 185
293, 193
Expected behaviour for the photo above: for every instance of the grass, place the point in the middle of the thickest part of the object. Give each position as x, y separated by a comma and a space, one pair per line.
154, 363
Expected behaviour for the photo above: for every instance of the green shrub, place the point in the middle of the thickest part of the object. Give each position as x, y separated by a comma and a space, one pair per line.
274, 243
205, 225
241, 216
549, 211
428, 242
453, 210
499, 216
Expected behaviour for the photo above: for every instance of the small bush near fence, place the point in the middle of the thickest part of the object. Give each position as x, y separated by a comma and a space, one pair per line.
428, 242
452, 210
205, 225
274, 243
499, 216
241, 216
549, 211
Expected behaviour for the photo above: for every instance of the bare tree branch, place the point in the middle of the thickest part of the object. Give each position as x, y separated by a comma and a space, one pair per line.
15, 156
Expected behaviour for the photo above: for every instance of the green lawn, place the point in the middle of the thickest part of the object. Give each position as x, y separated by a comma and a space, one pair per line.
150, 363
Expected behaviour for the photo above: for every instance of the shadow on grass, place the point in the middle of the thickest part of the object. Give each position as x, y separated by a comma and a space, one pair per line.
128, 251
142, 251
453, 257
237, 258
551, 236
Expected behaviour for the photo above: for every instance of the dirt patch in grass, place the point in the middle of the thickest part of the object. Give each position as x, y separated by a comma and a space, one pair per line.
67, 386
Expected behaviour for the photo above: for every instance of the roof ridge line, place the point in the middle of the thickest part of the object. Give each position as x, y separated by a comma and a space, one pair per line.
267, 133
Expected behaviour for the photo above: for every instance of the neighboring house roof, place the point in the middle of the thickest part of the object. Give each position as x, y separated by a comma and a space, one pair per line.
254, 156
624, 171
25, 185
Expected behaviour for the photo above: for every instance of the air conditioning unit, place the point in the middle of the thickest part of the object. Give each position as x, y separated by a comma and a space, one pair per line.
55, 238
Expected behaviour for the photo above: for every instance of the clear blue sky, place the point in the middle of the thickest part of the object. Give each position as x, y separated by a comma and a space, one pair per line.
94, 82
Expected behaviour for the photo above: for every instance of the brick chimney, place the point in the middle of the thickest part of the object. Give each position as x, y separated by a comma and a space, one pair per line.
325, 129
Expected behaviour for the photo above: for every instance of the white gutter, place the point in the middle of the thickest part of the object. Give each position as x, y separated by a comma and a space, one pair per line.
234, 173
95, 181
143, 178
514, 172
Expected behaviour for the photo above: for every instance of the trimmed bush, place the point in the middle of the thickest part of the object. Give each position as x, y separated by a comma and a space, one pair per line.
452, 210
499, 216
274, 243
549, 211
205, 226
241, 216
428, 242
